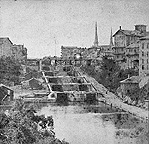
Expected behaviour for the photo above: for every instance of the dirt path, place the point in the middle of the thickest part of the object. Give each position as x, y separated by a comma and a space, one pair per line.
114, 100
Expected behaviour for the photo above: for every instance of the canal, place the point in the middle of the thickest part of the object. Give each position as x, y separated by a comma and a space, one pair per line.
95, 124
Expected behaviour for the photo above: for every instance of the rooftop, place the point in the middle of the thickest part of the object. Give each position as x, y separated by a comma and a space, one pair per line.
144, 81
131, 32
133, 79
133, 45
2, 39
145, 38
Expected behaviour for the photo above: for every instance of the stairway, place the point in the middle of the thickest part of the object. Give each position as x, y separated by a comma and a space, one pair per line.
66, 84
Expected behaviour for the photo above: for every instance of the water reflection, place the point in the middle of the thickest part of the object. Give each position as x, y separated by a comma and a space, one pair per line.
92, 124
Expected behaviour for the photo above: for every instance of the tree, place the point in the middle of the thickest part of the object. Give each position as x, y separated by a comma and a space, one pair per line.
20, 126
10, 70
109, 73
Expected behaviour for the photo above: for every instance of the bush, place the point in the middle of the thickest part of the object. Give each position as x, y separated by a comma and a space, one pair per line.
110, 73
20, 126
10, 70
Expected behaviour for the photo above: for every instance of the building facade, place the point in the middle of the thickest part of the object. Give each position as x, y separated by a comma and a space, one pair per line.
132, 56
96, 51
70, 52
129, 84
8, 49
123, 38
5, 47
19, 52
144, 56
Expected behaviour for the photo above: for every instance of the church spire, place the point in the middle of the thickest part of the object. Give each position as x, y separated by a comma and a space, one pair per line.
96, 36
111, 39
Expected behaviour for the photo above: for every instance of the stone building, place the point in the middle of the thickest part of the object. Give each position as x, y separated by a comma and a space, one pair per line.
8, 49
144, 56
123, 38
19, 52
129, 84
5, 47
94, 52
132, 56
32, 64
70, 52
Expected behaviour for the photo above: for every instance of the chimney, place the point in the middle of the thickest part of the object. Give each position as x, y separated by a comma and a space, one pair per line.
120, 27
141, 28
128, 76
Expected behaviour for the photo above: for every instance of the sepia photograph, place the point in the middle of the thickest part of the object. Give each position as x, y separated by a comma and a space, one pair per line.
74, 71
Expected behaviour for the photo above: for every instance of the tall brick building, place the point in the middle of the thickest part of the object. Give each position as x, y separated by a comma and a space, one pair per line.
7, 48
124, 38
144, 56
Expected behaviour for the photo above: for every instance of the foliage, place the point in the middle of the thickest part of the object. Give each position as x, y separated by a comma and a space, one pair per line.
10, 70
22, 126
138, 94
110, 73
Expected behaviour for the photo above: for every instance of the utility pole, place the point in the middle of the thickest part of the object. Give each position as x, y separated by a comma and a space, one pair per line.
55, 45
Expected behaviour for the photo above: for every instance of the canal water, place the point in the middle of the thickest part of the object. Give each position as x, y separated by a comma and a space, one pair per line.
95, 124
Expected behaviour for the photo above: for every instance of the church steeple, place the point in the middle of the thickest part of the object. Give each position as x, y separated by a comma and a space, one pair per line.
111, 39
96, 36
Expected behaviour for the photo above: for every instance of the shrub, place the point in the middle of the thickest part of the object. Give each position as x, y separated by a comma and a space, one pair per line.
20, 126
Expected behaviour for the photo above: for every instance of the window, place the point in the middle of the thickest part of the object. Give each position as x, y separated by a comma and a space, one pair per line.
147, 61
142, 67
147, 67
147, 45
147, 54
142, 45
142, 61
143, 54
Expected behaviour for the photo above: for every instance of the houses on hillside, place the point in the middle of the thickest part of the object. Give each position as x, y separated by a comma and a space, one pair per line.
89, 55
144, 56
132, 56
127, 47
6, 94
127, 50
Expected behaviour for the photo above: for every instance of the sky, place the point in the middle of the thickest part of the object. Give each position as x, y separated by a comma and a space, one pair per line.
43, 26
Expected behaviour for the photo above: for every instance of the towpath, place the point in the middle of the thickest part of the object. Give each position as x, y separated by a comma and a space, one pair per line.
111, 98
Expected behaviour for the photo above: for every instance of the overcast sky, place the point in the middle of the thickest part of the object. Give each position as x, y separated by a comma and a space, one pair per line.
43, 26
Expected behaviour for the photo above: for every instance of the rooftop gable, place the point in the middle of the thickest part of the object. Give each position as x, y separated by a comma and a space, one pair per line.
133, 79
130, 32
2, 85
3, 39
145, 38
125, 32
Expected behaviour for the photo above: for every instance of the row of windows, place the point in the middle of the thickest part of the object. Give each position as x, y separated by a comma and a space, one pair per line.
143, 67
146, 46
120, 56
147, 61
143, 54
132, 50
